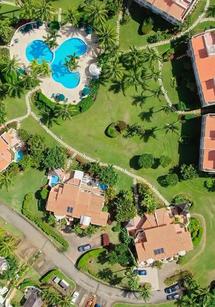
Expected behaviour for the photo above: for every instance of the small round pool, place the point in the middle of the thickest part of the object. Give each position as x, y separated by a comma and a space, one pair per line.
38, 50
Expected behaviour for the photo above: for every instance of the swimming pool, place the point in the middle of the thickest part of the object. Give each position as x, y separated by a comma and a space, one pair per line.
54, 180
57, 59
39, 50
19, 155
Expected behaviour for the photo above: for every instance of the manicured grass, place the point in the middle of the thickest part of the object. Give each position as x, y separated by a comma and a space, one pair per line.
15, 107
28, 181
130, 33
8, 10
66, 4
90, 263
32, 126
171, 304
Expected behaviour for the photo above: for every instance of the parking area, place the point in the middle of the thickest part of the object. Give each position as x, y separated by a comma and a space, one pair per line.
151, 277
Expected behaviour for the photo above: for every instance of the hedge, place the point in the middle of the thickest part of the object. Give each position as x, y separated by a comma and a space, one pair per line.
47, 229
42, 102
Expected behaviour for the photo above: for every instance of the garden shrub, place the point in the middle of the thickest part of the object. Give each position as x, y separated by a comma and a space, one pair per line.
146, 161
172, 179
26, 210
195, 230
177, 277
111, 131
210, 184
85, 104
147, 26
188, 171
181, 198
165, 161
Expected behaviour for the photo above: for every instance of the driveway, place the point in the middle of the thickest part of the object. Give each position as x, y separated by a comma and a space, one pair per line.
61, 260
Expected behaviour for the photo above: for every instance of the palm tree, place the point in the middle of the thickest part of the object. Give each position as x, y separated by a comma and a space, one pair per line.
44, 10
171, 128
134, 58
71, 17
30, 81
145, 292
50, 116
15, 87
7, 245
51, 297
2, 113
66, 111
107, 37
28, 9
11, 67
96, 13
130, 79
40, 70
211, 11
51, 39
65, 301
114, 71
72, 62
152, 56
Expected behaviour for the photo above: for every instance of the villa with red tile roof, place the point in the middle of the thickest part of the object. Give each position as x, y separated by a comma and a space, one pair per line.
9, 142
162, 235
78, 198
174, 11
202, 48
207, 144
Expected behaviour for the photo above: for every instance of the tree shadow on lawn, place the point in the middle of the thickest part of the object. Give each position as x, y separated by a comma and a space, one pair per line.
189, 146
138, 13
183, 72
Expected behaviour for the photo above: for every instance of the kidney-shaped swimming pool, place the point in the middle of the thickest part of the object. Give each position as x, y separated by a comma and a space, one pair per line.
39, 50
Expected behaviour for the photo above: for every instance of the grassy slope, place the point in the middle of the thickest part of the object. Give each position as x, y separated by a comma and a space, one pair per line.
15, 107
29, 181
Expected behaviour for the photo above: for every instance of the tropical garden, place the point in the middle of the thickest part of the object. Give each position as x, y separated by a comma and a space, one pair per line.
126, 120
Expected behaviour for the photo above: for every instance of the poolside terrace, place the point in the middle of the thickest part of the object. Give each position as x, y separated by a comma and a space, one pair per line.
49, 86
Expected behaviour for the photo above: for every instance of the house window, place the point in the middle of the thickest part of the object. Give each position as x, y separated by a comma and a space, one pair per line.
158, 251
69, 209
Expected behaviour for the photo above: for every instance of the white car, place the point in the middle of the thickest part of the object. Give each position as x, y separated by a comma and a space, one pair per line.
75, 296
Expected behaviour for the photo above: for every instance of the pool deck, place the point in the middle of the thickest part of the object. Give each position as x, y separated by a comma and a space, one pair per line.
48, 86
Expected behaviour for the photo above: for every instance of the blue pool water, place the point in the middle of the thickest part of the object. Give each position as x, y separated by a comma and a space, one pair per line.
103, 186
60, 73
19, 155
54, 180
38, 50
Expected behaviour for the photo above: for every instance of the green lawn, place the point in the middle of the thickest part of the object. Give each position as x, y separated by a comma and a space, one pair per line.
171, 304
130, 33
90, 263
15, 107
7, 10
66, 4
26, 182
32, 126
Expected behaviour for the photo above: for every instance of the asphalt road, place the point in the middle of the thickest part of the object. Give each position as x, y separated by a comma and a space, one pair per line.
61, 260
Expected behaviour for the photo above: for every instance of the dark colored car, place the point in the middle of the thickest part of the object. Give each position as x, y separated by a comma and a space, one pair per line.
140, 272
84, 248
173, 296
172, 288
98, 305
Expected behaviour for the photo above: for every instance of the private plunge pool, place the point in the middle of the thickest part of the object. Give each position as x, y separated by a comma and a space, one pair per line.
40, 51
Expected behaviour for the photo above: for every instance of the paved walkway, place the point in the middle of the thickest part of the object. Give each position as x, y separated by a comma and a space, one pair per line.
65, 264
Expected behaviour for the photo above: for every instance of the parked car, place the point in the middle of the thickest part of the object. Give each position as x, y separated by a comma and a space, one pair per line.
173, 296
172, 288
84, 248
75, 296
140, 272
105, 239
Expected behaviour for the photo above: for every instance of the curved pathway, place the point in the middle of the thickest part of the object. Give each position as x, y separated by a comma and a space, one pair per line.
62, 260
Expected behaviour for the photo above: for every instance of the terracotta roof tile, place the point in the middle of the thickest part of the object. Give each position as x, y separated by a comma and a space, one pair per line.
83, 201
